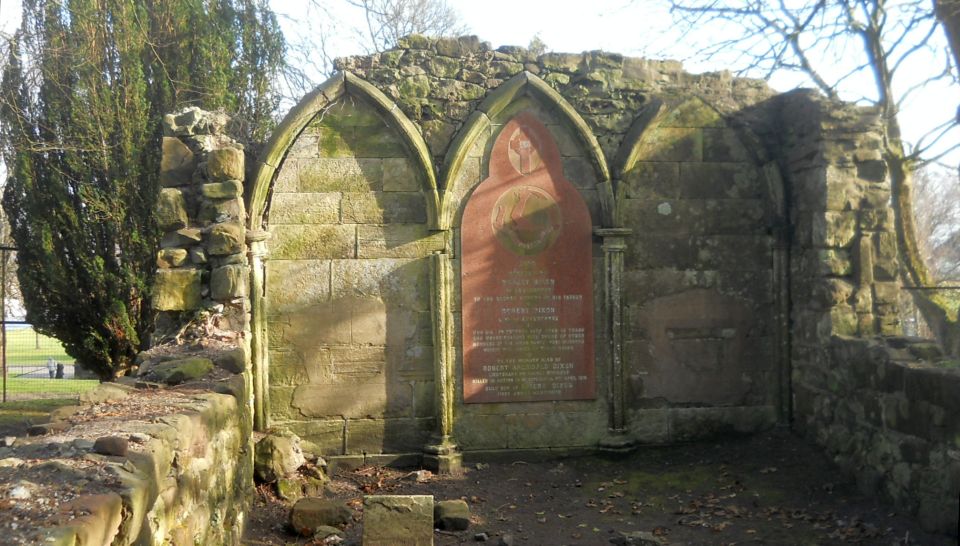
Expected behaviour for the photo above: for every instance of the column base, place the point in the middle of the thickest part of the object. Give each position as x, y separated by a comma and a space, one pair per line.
443, 458
617, 442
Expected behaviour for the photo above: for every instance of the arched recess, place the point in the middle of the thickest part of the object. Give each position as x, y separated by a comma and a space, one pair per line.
544, 423
491, 111
386, 267
706, 274
303, 113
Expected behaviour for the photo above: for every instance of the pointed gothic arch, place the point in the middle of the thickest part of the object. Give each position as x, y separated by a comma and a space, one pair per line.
491, 110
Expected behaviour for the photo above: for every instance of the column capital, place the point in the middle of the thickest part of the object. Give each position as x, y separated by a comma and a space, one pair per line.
612, 233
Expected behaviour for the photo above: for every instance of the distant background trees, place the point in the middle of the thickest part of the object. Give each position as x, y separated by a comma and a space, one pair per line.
870, 51
83, 90
313, 49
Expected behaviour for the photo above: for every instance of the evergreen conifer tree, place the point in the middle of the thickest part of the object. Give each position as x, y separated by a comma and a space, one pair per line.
81, 101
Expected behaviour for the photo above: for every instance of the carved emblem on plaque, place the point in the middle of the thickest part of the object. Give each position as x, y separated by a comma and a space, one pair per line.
523, 153
526, 220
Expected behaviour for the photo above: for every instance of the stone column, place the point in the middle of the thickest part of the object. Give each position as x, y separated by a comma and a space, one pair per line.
614, 244
257, 257
442, 455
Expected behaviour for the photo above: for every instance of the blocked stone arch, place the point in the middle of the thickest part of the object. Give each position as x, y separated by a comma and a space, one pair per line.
705, 282
314, 104
529, 424
343, 210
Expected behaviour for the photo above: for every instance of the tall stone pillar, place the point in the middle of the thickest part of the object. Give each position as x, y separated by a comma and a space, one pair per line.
614, 245
442, 455
257, 257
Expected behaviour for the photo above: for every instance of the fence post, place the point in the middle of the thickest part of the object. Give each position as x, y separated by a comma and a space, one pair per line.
3, 319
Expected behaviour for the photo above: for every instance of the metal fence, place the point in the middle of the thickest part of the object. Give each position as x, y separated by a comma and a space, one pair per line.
34, 366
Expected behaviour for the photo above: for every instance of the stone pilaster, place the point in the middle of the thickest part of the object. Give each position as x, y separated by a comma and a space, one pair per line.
257, 257
614, 245
442, 454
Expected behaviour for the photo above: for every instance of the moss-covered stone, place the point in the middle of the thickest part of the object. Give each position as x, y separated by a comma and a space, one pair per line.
414, 86
176, 163
225, 164
182, 238
222, 190
176, 290
228, 282
300, 242
171, 210
171, 257
225, 238
178, 371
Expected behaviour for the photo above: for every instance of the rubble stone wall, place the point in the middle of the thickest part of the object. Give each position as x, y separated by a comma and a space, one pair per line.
883, 407
202, 261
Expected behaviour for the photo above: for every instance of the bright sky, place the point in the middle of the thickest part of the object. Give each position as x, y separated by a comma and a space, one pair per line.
633, 27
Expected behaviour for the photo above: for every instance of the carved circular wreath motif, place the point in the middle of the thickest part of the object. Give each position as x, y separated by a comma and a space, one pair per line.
526, 220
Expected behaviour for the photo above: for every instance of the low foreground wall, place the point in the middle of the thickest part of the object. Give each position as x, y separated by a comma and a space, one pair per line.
888, 412
187, 481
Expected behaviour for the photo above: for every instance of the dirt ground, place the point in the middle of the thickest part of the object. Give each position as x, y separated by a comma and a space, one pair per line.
767, 489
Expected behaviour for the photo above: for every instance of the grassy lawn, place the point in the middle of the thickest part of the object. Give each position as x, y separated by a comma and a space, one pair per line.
17, 387
26, 347
27, 353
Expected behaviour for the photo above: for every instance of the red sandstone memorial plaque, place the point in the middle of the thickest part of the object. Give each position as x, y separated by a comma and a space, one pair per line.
526, 275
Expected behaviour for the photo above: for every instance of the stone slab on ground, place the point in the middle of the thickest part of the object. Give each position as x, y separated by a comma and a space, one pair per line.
311, 513
389, 520
451, 515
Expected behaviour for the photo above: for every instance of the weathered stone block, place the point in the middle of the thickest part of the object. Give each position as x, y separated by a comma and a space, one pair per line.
171, 210
443, 67
225, 238
294, 284
384, 208
176, 290
299, 242
234, 360
198, 255
393, 435
222, 190
438, 135
181, 370
451, 515
843, 320
835, 229
340, 174
276, 457
414, 86
399, 175
366, 399
389, 520
305, 208
176, 163
723, 145
311, 513
182, 238
228, 282
225, 164
672, 144
221, 210
171, 257
397, 241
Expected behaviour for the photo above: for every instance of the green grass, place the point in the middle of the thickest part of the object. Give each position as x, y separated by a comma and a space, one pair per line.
28, 352
55, 388
25, 347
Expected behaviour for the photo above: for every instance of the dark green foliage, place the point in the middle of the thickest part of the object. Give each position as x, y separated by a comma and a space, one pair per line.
82, 97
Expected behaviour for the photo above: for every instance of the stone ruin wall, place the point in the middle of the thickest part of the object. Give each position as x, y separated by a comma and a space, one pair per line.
349, 229
754, 232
